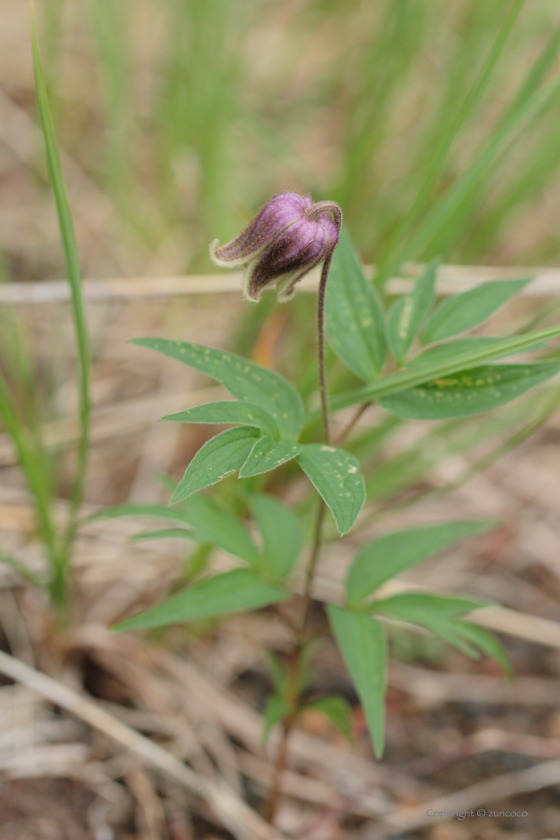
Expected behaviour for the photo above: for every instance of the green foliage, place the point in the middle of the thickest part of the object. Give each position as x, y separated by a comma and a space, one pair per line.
409, 312
245, 380
336, 476
385, 557
468, 391
439, 367
240, 589
210, 523
440, 614
232, 412
361, 640
281, 535
27, 437
353, 314
460, 313
267, 454
221, 456
276, 710
338, 711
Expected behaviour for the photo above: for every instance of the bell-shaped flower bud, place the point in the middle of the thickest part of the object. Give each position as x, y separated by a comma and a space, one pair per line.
285, 240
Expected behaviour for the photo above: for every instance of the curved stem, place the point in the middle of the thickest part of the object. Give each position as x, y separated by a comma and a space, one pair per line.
275, 792
321, 350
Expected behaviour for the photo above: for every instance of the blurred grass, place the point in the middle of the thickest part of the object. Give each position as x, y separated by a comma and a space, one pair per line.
433, 124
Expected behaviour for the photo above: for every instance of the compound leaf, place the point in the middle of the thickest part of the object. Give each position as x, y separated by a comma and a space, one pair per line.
245, 380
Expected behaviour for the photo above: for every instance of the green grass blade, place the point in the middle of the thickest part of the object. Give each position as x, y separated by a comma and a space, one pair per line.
77, 302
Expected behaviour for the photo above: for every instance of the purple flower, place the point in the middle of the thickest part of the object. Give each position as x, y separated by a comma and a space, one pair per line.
285, 240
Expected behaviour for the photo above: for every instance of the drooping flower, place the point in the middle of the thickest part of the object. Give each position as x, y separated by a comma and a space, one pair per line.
287, 238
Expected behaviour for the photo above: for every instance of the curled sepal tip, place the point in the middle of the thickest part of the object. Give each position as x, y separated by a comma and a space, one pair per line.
287, 238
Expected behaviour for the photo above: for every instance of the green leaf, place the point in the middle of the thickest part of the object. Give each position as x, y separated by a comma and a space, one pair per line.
353, 314
415, 607
277, 672
245, 380
281, 534
385, 557
468, 391
336, 476
409, 312
461, 312
233, 412
449, 350
276, 709
267, 454
361, 640
240, 589
215, 524
412, 376
221, 456
338, 711
487, 643
439, 614
168, 533
211, 522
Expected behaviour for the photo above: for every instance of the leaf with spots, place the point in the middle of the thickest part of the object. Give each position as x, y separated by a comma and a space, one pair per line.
468, 391
267, 454
245, 380
221, 456
336, 476
459, 359
232, 412
354, 315
409, 312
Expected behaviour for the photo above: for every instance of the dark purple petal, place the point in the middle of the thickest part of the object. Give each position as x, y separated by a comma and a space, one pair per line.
289, 236
280, 212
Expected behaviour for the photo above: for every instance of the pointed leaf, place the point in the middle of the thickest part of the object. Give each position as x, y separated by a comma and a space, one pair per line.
461, 312
387, 556
353, 314
211, 522
233, 412
276, 709
416, 606
240, 589
449, 350
282, 537
438, 613
336, 476
361, 640
468, 392
487, 643
277, 672
168, 533
245, 380
409, 312
215, 524
221, 456
412, 376
338, 711
267, 454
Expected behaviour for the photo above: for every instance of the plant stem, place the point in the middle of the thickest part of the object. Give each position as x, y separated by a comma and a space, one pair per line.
293, 691
321, 350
